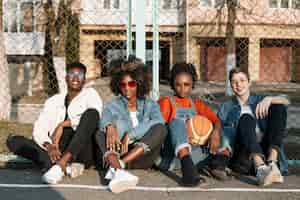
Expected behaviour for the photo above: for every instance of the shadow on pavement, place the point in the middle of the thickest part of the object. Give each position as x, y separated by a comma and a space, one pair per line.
25, 184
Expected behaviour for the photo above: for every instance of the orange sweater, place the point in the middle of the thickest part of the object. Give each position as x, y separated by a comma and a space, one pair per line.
168, 110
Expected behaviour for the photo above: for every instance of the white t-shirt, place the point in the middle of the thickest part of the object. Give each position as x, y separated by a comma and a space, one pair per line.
134, 119
245, 109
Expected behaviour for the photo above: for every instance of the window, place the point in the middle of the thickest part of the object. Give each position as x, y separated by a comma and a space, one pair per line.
111, 4
10, 17
172, 4
167, 4
19, 16
206, 3
284, 4
219, 3
212, 3
27, 17
296, 4
273, 4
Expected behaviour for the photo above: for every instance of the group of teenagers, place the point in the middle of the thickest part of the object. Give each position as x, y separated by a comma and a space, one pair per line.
75, 130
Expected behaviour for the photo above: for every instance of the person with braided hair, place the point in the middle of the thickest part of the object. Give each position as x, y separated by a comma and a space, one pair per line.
178, 110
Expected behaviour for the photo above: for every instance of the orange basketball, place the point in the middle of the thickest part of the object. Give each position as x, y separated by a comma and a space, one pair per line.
199, 128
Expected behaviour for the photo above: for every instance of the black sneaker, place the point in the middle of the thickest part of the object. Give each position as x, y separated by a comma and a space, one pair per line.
218, 167
192, 183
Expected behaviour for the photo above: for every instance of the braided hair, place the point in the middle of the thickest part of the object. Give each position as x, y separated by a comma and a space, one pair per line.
186, 68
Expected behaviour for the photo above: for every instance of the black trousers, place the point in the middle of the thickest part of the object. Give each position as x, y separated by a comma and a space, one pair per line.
80, 143
247, 143
153, 139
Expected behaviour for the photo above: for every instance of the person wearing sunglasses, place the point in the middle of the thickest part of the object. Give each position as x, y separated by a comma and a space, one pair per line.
177, 110
63, 135
132, 128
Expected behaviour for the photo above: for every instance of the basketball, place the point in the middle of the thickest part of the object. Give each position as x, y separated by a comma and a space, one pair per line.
199, 129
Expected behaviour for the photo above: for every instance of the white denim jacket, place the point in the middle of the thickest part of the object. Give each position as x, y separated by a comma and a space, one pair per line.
54, 112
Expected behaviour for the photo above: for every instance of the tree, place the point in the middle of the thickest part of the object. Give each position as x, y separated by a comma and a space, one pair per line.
230, 41
61, 27
5, 96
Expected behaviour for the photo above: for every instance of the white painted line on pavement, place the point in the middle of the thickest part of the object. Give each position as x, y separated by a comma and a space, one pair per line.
159, 189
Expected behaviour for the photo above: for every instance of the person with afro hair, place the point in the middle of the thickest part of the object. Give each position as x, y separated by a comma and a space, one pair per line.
132, 129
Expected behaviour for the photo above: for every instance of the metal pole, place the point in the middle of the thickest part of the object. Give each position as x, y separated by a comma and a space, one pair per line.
187, 31
140, 29
129, 30
155, 53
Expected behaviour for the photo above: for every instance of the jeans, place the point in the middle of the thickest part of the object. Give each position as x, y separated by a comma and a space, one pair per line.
151, 142
80, 143
177, 140
178, 135
247, 143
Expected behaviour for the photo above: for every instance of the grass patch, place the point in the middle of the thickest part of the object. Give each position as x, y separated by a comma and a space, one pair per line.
16, 128
294, 132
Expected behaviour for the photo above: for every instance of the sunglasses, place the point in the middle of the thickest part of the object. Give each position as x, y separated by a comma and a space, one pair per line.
130, 84
72, 75
184, 84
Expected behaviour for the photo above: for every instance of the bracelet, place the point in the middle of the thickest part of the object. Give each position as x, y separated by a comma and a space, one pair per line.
45, 144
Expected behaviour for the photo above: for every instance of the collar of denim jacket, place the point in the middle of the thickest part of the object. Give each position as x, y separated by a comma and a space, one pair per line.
251, 101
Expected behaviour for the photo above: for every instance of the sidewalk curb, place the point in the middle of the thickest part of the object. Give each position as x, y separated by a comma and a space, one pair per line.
14, 161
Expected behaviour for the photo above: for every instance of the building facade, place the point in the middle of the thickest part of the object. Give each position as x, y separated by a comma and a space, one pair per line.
267, 36
266, 32
23, 26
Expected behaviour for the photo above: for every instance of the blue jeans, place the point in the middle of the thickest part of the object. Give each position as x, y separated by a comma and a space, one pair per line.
177, 140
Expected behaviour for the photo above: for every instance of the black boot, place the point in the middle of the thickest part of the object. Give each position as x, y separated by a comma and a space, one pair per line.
218, 166
190, 176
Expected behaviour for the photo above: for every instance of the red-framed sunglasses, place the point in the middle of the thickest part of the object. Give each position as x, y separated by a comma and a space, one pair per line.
130, 84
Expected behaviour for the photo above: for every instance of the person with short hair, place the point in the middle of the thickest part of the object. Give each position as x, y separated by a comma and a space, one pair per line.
132, 128
178, 110
63, 135
253, 130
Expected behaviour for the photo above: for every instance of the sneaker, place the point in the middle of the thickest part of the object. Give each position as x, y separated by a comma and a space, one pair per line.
110, 173
75, 169
218, 167
122, 181
275, 174
53, 175
220, 174
263, 175
192, 183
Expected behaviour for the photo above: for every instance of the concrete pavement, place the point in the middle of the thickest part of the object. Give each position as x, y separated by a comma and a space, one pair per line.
26, 184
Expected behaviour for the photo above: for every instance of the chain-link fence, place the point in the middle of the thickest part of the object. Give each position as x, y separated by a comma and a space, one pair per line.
39, 38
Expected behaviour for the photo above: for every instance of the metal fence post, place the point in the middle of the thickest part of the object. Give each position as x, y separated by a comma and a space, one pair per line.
140, 30
155, 52
129, 29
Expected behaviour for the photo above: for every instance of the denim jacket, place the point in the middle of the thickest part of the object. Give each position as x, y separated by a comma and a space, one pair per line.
229, 114
117, 114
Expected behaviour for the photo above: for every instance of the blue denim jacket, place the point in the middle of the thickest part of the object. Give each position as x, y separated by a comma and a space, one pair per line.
116, 113
229, 114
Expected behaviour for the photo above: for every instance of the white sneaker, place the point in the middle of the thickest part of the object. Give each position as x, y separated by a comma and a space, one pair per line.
110, 173
275, 174
122, 181
263, 175
75, 169
53, 175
